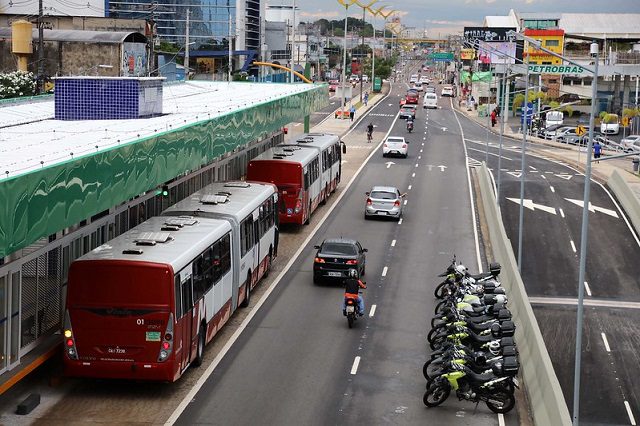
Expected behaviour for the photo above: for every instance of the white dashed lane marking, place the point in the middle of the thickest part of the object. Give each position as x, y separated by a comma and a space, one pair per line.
372, 311
606, 342
354, 367
384, 271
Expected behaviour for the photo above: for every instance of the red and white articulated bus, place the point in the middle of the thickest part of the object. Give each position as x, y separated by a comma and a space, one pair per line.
305, 173
252, 210
144, 305
329, 146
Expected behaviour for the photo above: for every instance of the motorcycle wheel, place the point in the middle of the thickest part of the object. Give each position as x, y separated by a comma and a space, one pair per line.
436, 394
436, 344
425, 370
439, 306
350, 320
501, 402
433, 333
439, 291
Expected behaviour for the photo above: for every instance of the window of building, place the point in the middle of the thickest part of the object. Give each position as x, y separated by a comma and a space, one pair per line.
552, 43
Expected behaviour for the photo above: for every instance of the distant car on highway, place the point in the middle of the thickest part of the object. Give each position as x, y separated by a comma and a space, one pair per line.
610, 125
335, 256
413, 78
333, 85
553, 131
395, 145
384, 201
418, 86
568, 135
424, 80
412, 97
365, 78
408, 111
430, 100
447, 91
429, 89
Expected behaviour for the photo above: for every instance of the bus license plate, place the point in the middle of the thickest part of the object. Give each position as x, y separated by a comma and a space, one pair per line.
334, 274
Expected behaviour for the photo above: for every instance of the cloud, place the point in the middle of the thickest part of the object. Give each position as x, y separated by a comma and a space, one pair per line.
451, 23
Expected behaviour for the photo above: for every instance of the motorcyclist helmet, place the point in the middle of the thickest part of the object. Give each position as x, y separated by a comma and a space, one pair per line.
501, 299
494, 347
352, 273
461, 269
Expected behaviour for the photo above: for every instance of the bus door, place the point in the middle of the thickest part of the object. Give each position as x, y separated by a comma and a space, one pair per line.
256, 246
185, 324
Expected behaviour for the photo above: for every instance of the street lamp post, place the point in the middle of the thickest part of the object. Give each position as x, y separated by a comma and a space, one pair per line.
293, 39
583, 240
525, 113
344, 55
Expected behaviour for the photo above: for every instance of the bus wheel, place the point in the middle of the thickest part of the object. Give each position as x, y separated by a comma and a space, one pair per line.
268, 266
197, 362
247, 292
309, 216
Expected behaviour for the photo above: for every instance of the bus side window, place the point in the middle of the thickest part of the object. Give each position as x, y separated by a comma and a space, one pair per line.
187, 296
178, 296
306, 179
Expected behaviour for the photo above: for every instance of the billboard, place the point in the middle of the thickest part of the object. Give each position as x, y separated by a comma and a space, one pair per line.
467, 54
496, 52
493, 34
134, 60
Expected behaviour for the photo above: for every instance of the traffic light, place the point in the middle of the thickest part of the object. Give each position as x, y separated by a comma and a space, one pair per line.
164, 191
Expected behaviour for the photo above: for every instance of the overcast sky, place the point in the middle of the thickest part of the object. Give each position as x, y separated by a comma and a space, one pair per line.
445, 16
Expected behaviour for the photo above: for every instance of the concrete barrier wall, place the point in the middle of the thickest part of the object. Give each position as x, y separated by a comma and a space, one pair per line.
548, 406
627, 198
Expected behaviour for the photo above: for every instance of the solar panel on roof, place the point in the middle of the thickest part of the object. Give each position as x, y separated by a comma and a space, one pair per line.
214, 199
237, 185
151, 238
181, 221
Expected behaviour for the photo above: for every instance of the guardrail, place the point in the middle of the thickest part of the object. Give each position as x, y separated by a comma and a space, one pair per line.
548, 406
627, 198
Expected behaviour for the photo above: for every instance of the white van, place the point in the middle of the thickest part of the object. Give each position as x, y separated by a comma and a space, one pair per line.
430, 100
552, 118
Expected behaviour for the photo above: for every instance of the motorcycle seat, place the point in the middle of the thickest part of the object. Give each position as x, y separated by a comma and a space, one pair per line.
481, 276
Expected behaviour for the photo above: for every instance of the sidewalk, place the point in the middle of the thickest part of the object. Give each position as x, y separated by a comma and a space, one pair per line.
573, 155
342, 126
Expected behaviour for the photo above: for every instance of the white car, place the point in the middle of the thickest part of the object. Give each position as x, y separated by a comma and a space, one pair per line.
425, 80
418, 86
447, 91
365, 78
430, 100
629, 142
413, 78
395, 145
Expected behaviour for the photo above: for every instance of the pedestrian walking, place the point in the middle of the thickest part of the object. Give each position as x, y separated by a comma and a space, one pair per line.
366, 98
597, 151
352, 112
493, 118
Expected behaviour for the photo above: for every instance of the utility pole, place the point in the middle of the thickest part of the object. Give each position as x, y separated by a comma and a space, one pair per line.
186, 48
293, 38
40, 48
361, 57
344, 63
230, 47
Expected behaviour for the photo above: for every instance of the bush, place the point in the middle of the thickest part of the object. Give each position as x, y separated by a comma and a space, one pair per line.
518, 100
16, 84
568, 110
630, 112
602, 115
609, 118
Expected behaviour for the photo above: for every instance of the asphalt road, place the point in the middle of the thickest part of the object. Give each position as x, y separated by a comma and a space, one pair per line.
298, 362
551, 243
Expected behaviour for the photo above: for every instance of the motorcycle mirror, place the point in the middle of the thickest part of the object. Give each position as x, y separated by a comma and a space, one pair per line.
344, 148
364, 250
367, 193
316, 247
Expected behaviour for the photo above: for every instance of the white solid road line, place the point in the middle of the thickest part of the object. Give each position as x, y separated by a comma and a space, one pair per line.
354, 367
372, 311
606, 342
586, 287
384, 271
630, 413
501, 420
393, 243
573, 246
552, 189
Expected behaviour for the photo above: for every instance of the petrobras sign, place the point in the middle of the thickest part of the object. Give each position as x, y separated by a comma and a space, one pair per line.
492, 34
556, 69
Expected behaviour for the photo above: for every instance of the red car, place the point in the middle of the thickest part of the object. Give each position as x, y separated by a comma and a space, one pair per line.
412, 97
